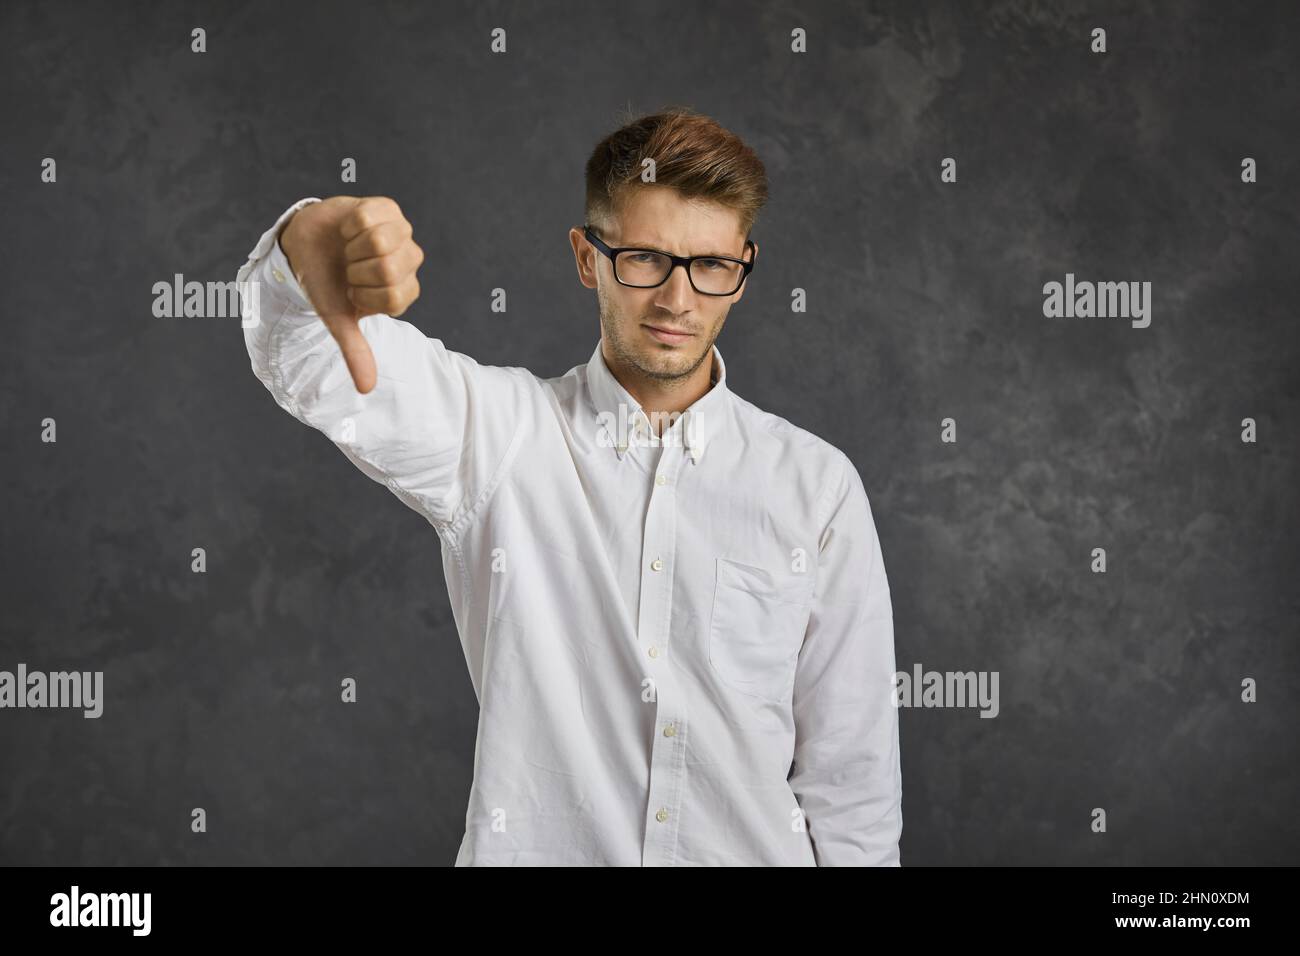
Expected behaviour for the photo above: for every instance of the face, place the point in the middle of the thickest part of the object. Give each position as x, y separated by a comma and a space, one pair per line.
638, 324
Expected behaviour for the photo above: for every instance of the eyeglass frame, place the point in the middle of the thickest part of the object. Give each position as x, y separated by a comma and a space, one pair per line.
684, 261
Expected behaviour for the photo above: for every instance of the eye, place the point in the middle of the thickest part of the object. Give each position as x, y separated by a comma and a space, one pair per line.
642, 257
712, 264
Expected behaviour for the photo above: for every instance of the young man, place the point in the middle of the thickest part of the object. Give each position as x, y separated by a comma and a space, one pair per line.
673, 604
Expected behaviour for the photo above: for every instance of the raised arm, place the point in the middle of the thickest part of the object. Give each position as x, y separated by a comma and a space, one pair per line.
431, 424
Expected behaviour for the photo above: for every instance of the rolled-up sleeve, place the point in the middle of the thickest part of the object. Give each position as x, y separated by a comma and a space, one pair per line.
846, 772
437, 426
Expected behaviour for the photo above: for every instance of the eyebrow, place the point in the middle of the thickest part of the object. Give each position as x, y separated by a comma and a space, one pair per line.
653, 248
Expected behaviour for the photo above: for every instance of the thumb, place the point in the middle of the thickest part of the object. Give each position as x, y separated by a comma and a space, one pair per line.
356, 352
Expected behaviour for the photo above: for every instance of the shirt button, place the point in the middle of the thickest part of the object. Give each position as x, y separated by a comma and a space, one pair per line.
279, 276
656, 565
662, 815
661, 479
670, 731
653, 651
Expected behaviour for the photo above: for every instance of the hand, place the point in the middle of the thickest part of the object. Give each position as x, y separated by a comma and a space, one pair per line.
354, 256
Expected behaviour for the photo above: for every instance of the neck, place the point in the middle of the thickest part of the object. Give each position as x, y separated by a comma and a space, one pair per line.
662, 399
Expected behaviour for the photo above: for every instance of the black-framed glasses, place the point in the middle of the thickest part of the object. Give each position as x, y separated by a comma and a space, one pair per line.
648, 268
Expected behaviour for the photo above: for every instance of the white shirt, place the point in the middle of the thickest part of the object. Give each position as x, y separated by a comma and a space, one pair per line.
682, 648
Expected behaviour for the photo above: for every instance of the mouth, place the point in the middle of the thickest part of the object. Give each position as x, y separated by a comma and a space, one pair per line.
670, 336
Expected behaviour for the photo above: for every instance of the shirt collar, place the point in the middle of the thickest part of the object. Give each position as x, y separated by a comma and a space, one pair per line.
620, 414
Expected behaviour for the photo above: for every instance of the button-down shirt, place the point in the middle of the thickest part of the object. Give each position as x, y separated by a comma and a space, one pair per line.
681, 645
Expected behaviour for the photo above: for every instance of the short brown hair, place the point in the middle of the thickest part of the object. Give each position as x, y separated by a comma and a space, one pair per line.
692, 153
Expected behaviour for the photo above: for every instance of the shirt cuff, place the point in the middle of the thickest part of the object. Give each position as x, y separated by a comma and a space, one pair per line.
278, 278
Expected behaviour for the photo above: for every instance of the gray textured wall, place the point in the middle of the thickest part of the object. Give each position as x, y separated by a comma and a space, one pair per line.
1118, 690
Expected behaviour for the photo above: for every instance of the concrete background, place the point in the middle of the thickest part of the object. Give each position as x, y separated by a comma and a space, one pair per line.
925, 301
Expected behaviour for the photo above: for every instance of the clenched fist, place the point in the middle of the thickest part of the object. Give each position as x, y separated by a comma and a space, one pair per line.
353, 256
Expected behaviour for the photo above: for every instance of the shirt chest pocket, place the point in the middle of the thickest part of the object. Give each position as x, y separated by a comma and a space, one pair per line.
757, 627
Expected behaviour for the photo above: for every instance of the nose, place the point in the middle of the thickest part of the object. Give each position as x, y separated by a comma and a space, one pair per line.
676, 295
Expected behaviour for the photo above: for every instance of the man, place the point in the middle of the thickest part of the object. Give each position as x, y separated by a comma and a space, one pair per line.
673, 605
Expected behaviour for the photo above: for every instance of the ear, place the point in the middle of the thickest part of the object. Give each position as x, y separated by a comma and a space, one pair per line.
752, 258
585, 254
